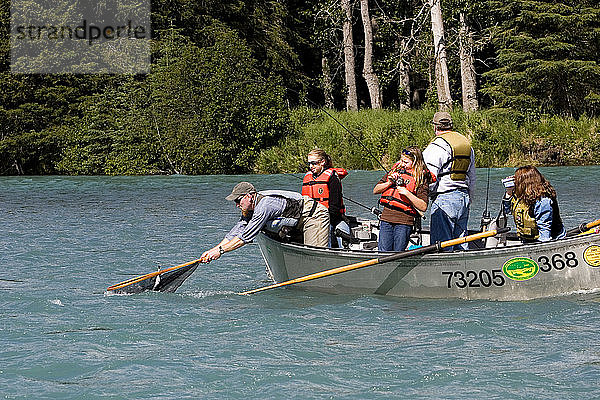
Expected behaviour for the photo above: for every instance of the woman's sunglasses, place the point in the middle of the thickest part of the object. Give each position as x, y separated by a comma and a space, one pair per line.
309, 163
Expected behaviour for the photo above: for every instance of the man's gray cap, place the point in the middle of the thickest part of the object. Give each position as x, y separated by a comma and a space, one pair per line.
241, 189
443, 119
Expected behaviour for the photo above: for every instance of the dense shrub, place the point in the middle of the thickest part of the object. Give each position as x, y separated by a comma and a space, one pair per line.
499, 137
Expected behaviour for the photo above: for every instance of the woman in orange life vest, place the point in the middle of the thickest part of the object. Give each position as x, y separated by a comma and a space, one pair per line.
323, 183
404, 193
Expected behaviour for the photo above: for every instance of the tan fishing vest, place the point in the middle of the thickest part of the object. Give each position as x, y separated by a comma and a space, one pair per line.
526, 227
460, 157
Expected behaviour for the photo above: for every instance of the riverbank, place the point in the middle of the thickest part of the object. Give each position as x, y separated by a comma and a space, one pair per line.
280, 142
501, 138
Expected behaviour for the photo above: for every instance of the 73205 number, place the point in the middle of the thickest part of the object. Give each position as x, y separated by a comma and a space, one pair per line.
474, 279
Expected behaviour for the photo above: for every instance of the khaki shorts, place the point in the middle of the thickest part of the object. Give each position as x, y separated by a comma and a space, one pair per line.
314, 223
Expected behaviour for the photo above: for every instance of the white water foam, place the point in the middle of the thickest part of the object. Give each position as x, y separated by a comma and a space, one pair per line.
209, 293
112, 293
584, 291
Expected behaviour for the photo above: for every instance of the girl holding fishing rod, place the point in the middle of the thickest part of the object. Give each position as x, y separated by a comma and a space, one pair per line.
404, 195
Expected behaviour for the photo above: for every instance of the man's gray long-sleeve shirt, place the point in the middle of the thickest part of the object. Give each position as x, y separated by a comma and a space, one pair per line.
267, 209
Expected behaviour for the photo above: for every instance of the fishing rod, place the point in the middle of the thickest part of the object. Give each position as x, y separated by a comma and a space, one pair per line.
486, 218
355, 138
374, 210
344, 127
333, 118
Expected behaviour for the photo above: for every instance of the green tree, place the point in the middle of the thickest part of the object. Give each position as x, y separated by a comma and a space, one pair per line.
276, 32
548, 56
201, 110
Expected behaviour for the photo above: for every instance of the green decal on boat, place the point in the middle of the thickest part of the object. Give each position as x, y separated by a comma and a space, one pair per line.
520, 268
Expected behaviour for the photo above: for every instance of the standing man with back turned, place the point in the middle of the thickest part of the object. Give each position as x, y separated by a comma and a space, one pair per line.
450, 157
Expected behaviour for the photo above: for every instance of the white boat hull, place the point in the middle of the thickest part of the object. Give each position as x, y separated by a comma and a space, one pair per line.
507, 273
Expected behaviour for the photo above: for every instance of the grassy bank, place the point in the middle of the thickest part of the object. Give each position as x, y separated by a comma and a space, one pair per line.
500, 138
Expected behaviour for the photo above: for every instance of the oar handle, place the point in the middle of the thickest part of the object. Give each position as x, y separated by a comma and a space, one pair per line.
475, 236
583, 227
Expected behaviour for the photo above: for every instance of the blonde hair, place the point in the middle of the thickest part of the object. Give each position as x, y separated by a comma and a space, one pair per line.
530, 185
420, 170
320, 153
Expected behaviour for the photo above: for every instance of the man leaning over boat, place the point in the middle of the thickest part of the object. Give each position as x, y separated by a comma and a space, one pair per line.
259, 209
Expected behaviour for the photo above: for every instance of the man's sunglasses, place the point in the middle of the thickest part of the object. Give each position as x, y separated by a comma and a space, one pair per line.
407, 153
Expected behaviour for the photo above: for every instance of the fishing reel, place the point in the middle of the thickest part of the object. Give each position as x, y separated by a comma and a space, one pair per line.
486, 219
397, 181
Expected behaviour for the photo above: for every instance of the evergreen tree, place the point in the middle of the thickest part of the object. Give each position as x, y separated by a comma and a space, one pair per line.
548, 56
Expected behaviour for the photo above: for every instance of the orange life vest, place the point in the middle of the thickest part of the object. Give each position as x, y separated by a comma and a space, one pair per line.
393, 199
318, 188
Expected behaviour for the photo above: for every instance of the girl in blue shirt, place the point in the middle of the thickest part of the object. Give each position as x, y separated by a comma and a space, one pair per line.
534, 207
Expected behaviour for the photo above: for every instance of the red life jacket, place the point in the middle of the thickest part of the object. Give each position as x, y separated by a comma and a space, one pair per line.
391, 198
318, 188
342, 173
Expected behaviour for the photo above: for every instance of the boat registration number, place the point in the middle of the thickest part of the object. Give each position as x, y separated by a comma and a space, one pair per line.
496, 277
482, 278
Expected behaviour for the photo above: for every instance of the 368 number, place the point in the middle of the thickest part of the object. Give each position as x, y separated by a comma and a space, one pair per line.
474, 279
557, 261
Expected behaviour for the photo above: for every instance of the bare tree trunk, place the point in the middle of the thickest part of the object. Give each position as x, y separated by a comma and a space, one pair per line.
351, 96
18, 167
441, 68
404, 85
327, 84
467, 70
403, 78
368, 72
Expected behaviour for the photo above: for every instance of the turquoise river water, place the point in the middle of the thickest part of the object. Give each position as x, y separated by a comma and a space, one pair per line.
65, 239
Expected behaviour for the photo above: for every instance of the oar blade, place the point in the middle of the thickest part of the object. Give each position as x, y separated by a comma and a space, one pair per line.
167, 281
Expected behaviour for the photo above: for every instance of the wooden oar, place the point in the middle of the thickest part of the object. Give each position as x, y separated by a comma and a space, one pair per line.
146, 276
421, 250
583, 227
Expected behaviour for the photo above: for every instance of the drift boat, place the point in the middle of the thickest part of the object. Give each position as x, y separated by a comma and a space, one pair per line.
497, 269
